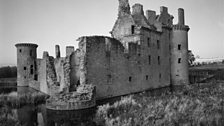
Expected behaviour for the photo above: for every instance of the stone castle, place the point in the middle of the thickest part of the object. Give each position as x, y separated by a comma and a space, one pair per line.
145, 51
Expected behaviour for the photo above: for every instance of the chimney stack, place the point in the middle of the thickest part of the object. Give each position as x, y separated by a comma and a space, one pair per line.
137, 9
163, 9
181, 16
150, 16
124, 8
57, 51
69, 50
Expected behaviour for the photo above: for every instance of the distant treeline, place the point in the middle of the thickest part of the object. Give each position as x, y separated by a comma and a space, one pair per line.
8, 72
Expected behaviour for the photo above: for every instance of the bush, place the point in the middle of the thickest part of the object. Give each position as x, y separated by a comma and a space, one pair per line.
23, 99
201, 105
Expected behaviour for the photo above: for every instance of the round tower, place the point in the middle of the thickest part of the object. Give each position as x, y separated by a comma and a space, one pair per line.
26, 63
179, 51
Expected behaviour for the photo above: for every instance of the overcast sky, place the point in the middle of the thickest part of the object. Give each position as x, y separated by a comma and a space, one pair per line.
51, 22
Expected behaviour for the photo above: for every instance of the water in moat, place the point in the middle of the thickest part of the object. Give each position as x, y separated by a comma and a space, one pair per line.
38, 115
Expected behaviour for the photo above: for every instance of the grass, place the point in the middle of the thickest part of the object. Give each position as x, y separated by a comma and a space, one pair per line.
7, 117
195, 105
9, 102
16, 101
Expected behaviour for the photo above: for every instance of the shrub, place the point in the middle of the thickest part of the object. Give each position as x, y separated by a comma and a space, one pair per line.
197, 105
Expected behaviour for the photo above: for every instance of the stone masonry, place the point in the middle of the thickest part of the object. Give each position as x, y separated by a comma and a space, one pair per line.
145, 51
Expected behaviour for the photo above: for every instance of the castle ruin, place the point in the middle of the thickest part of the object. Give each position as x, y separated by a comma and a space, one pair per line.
145, 51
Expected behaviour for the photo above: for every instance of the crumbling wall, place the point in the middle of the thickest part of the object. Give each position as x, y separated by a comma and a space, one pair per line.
35, 83
67, 70
83, 61
48, 81
117, 70
75, 72
59, 68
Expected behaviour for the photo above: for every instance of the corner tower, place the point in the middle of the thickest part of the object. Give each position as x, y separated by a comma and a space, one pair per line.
26, 63
179, 51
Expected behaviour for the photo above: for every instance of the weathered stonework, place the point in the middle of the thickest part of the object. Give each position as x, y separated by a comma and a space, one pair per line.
67, 70
83, 98
146, 51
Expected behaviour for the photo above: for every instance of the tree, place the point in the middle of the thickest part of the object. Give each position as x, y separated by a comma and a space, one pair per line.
191, 57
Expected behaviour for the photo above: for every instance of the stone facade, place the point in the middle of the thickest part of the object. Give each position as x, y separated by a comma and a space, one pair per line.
145, 51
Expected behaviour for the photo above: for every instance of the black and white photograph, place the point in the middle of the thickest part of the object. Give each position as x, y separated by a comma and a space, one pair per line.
111, 63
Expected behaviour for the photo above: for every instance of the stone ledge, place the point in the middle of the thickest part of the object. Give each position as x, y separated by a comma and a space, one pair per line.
26, 44
83, 98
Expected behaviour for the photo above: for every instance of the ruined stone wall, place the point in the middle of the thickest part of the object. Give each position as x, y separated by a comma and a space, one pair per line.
75, 72
66, 69
43, 76
35, 83
59, 69
165, 40
116, 71
48, 78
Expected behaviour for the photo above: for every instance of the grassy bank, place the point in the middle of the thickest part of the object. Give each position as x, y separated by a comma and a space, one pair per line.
194, 105
16, 101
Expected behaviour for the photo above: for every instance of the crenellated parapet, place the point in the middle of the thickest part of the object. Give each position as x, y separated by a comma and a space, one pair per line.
181, 27
27, 45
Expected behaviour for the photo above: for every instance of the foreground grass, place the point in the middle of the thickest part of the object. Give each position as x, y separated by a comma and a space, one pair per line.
194, 105
8, 102
16, 101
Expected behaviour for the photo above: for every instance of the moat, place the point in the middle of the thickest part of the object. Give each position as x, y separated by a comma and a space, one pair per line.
38, 114
195, 104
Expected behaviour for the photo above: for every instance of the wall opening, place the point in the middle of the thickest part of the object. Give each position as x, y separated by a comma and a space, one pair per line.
31, 52
179, 46
36, 77
35, 65
20, 50
149, 59
160, 75
109, 78
24, 68
130, 79
78, 83
179, 60
132, 29
148, 42
158, 44
146, 77
31, 69
158, 60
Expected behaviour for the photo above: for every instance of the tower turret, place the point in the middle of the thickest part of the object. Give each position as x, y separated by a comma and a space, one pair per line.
57, 51
26, 63
179, 51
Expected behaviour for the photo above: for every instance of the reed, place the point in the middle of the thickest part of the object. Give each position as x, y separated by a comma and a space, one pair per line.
17, 101
197, 105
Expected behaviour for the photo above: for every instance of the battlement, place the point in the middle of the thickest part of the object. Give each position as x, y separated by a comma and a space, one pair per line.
163, 9
26, 44
137, 9
181, 27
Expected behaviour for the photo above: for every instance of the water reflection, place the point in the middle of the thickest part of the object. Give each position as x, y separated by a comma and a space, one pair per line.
40, 116
30, 115
69, 118
27, 115
16, 90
